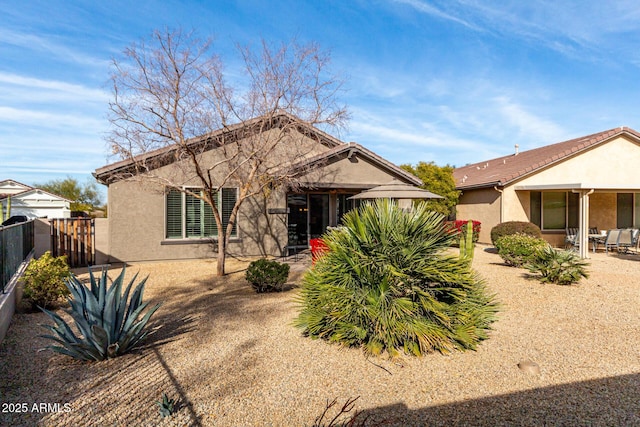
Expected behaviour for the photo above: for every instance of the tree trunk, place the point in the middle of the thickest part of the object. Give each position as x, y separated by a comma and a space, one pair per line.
222, 256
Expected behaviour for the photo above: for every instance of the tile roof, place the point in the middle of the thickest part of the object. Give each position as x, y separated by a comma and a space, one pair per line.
504, 170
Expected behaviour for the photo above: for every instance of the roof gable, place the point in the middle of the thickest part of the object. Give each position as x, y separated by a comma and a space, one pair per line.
36, 194
350, 149
164, 156
507, 169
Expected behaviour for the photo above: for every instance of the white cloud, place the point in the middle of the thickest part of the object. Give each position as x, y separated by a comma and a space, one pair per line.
526, 124
34, 89
48, 119
429, 9
40, 45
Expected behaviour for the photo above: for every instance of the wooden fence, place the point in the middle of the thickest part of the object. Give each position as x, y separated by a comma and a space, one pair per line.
75, 238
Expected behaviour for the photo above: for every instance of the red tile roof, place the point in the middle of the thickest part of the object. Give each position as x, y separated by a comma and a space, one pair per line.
504, 170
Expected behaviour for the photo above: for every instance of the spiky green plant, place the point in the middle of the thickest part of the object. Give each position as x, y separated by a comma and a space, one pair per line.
466, 242
166, 405
558, 266
388, 283
109, 323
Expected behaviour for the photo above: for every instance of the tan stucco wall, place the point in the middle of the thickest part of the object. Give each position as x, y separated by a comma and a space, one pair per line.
602, 211
481, 205
354, 172
609, 165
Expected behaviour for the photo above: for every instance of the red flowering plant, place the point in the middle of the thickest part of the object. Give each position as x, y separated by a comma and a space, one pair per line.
459, 226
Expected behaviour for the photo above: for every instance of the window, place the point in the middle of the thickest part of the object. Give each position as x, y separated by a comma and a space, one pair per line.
554, 210
188, 216
628, 210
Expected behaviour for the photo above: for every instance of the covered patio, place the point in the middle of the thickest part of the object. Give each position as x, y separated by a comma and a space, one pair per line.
591, 209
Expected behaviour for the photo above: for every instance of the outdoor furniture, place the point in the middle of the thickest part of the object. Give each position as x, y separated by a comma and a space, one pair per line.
624, 241
635, 234
596, 239
611, 240
571, 240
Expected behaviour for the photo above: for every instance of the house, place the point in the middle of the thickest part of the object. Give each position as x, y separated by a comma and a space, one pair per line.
32, 202
149, 221
585, 182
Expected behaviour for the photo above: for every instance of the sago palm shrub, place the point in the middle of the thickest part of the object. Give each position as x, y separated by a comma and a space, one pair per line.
389, 284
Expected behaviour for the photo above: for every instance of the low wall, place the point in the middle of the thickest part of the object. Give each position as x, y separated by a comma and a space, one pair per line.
11, 298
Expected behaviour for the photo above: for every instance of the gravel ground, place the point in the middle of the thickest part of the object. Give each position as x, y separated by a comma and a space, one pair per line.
233, 359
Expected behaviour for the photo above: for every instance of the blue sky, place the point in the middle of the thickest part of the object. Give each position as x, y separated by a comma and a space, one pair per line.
449, 81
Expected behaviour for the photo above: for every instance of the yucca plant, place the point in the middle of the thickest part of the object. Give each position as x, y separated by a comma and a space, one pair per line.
389, 284
558, 266
109, 323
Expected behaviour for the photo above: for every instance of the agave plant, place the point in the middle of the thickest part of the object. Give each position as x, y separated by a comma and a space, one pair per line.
109, 323
388, 283
167, 406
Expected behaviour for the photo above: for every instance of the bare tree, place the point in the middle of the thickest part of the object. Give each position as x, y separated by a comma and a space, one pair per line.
174, 103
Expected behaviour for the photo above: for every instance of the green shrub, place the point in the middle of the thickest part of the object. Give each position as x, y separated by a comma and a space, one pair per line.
558, 266
267, 275
513, 227
44, 280
518, 249
388, 284
109, 323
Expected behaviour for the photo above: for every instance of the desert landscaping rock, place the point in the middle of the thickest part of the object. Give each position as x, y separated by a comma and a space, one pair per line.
529, 366
232, 358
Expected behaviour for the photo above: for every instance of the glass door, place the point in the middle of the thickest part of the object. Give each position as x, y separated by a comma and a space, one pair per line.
297, 220
318, 214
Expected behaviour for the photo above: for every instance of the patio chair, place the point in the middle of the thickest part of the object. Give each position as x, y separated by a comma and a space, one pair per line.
624, 241
571, 240
635, 235
611, 241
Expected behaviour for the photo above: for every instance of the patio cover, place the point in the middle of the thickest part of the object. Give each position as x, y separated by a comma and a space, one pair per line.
395, 190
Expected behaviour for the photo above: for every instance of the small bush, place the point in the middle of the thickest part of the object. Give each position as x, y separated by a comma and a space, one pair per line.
459, 226
267, 275
558, 266
44, 280
518, 249
513, 227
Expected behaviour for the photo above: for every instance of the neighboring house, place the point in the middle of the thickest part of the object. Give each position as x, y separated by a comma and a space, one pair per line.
150, 222
585, 182
32, 202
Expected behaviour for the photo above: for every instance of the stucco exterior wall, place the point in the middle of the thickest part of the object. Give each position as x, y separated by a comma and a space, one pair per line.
609, 165
481, 205
354, 172
137, 228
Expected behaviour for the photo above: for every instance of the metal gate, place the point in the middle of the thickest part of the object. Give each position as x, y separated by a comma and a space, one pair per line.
75, 238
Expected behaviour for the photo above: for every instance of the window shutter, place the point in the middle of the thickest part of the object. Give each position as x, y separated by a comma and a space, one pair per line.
229, 197
193, 223
174, 214
209, 221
